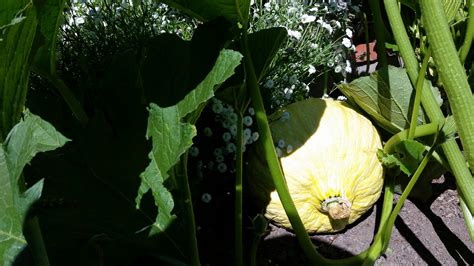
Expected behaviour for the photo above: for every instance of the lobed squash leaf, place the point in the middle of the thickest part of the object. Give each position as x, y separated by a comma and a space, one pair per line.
17, 32
30, 136
49, 18
205, 10
407, 155
388, 104
172, 136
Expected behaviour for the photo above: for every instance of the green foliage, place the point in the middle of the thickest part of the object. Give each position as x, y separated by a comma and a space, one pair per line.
18, 20
206, 10
407, 155
50, 14
119, 58
29, 137
388, 104
170, 132
319, 43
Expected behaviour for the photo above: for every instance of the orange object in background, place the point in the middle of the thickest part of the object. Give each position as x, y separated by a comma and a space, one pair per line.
361, 53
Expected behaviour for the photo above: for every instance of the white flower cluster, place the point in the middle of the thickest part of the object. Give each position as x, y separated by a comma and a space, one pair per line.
319, 40
156, 18
227, 118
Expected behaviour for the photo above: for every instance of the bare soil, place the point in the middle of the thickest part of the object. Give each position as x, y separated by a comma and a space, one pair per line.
425, 233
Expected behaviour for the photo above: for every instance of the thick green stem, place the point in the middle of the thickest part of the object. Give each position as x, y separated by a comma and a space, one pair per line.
451, 72
35, 240
420, 131
379, 33
239, 254
271, 157
71, 100
419, 89
468, 218
276, 172
189, 212
466, 45
451, 150
367, 44
381, 242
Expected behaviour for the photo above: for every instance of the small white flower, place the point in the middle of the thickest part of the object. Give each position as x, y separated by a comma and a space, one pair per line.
194, 151
349, 33
269, 84
313, 45
217, 152
307, 18
248, 121
346, 42
231, 147
267, 6
338, 24
289, 148
255, 136
281, 143
220, 158
222, 167
311, 69
206, 197
348, 67
293, 79
79, 20
341, 98
233, 130
338, 69
288, 92
278, 152
251, 111
233, 118
207, 132
295, 34
226, 136
217, 107
247, 134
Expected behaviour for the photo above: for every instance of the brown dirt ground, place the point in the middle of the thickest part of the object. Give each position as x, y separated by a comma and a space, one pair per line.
425, 233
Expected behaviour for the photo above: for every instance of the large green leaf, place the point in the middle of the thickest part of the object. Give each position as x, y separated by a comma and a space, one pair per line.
50, 13
390, 105
18, 20
233, 10
171, 137
26, 139
264, 45
173, 67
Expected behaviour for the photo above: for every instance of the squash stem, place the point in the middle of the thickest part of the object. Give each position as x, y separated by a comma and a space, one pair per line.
272, 159
419, 89
239, 254
189, 212
466, 45
381, 243
452, 73
453, 154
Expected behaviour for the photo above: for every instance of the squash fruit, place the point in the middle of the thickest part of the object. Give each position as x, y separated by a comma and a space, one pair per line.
328, 156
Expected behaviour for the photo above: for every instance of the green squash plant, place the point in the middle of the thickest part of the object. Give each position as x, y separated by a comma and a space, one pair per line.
173, 80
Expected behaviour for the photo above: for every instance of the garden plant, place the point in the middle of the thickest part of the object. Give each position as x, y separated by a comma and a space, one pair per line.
118, 119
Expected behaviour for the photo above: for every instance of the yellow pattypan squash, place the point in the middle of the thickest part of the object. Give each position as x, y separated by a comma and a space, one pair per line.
328, 156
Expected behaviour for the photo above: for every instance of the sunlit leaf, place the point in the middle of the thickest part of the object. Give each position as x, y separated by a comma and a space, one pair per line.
171, 137
26, 139
390, 105
15, 48
233, 10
